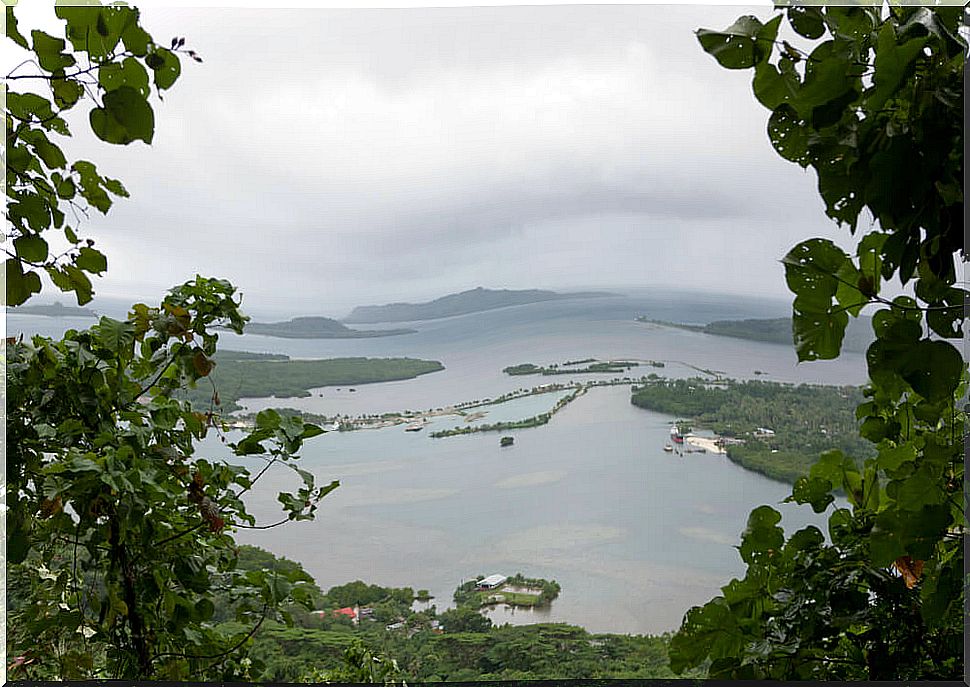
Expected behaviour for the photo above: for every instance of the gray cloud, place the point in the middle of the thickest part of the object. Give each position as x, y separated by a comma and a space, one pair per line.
350, 156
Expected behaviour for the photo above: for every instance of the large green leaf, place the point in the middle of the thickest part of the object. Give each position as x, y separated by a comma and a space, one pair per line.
762, 535
116, 336
818, 335
20, 285
814, 491
932, 368
50, 51
91, 260
810, 271
743, 44
31, 248
125, 117
129, 72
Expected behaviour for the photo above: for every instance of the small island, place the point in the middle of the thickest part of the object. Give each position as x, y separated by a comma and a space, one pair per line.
569, 368
56, 309
318, 328
517, 590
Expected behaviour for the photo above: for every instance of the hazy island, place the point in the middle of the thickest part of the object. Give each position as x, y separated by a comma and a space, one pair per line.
260, 375
569, 367
317, 328
53, 310
474, 300
858, 334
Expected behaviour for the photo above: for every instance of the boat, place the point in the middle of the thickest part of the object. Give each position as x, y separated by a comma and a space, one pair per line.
668, 448
414, 427
675, 435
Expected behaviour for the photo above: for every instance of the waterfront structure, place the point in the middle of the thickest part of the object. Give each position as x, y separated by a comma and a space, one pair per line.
492, 581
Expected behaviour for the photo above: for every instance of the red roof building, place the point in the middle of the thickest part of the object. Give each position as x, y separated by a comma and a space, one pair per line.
348, 611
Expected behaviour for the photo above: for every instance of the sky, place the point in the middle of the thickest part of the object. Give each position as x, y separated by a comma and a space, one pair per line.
324, 158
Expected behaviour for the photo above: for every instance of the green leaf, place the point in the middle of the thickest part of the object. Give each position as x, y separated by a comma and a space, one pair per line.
49, 51
66, 190
125, 117
807, 21
773, 87
829, 75
31, 248
91, 260
80, 284
166, 66
20, 285
736, 47
831, 466
814, 491
941, 590
12, 32
818, 335
33, 208
310, 431
810, 269
909, 533
130, 72
847, 293
933, 369
114, 186
28, 106
48, 152
115, 336
66, 91
762, 535
891, 64
136, 39
268, 419
91, 183
708, 630
922, 488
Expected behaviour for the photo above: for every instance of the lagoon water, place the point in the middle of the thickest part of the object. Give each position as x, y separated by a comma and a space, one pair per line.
634, 535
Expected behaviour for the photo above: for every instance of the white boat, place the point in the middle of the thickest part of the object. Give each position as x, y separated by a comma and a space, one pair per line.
414, 427
668, 448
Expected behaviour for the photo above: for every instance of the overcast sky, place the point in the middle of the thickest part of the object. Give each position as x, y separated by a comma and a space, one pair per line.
322, 159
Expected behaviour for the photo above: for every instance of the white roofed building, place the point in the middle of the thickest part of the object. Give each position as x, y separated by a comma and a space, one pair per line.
492, 581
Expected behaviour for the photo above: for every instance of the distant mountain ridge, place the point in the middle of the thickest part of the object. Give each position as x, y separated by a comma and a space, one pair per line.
317, 328
473, 300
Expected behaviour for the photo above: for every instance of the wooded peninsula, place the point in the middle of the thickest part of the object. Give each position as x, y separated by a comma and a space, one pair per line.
783, 427
858, 333
261, 375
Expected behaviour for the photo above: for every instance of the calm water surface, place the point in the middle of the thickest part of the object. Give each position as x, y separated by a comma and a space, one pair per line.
634, 535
